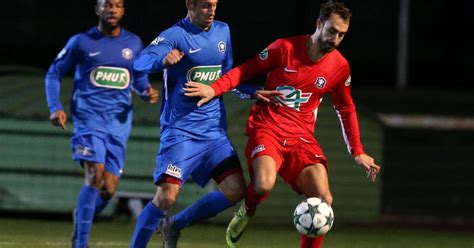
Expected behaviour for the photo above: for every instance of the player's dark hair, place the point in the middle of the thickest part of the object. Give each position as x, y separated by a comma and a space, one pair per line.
97, 2
334, 7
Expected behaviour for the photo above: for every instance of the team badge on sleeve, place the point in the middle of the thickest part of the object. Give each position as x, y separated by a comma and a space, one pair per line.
264, 54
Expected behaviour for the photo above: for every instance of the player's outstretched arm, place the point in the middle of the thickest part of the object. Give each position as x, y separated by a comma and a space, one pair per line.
269, 96
369, 165
205, 92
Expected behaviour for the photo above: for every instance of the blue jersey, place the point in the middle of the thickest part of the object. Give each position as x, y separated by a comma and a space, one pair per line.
104, 78
207, 55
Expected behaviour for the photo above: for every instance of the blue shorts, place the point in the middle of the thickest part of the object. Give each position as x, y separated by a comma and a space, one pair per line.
101, 148
189, 157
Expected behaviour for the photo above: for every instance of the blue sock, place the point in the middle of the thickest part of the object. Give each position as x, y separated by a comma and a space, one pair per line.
85, 214
100, 204
206, 207
146, 225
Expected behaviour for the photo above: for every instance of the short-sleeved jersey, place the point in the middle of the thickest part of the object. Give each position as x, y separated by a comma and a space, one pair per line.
207, 54
303, 83
103, 80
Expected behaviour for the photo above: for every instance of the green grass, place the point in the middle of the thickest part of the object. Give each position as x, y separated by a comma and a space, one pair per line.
43, 233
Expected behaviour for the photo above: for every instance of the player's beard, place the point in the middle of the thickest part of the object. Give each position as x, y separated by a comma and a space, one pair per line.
325, 46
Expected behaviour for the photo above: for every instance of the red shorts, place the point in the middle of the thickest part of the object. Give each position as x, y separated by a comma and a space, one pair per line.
291, 155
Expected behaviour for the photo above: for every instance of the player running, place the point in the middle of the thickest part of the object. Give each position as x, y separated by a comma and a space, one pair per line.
101, 107
303, 69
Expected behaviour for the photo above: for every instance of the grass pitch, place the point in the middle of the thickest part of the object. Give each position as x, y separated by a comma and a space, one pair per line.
24, 233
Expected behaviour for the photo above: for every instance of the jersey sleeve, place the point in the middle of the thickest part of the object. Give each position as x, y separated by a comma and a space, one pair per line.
243, 91
151, 59
228, 61
346, 111
140, 79
62, 64
257, 65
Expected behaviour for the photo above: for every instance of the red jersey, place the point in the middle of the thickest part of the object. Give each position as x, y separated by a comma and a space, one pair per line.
303, 83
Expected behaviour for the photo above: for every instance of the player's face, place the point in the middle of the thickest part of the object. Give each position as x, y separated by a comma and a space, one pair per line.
110, 12
203, 12
332, 32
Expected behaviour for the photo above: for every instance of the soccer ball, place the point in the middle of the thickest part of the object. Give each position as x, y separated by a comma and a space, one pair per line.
313, 217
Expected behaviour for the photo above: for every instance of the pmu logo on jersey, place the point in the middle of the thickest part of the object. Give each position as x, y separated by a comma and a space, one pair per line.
293, 97
221, 46
173, 170
110, 77
127, 53
320, 82
264, 54
204, 74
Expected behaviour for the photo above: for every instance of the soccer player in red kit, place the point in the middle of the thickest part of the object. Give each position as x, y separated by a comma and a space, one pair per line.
300, 71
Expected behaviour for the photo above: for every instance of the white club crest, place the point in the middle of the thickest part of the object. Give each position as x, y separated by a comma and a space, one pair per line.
221, 46
320, 82
127, 53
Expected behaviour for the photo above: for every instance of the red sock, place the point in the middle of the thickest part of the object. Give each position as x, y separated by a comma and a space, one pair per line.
306, 242
252, 198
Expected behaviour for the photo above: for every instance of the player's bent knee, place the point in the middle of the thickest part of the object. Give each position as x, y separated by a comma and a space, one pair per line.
264, 184
95, 181
234, 194
233, 187
164, 201
263, 187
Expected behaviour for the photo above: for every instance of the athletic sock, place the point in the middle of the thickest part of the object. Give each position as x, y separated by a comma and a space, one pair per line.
85, 214
206, 207
306, 242
146, 225
252, 198
100, 204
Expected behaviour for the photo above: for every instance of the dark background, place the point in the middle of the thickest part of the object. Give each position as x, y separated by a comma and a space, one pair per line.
433, 178
439, 56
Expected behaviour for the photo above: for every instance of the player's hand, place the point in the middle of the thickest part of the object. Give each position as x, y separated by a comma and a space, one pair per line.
59, 119
173, 57
152, 94
368, 163
269, 96
205, 92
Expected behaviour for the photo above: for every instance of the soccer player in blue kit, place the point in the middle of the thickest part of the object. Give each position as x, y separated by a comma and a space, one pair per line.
101, 107
193, 141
